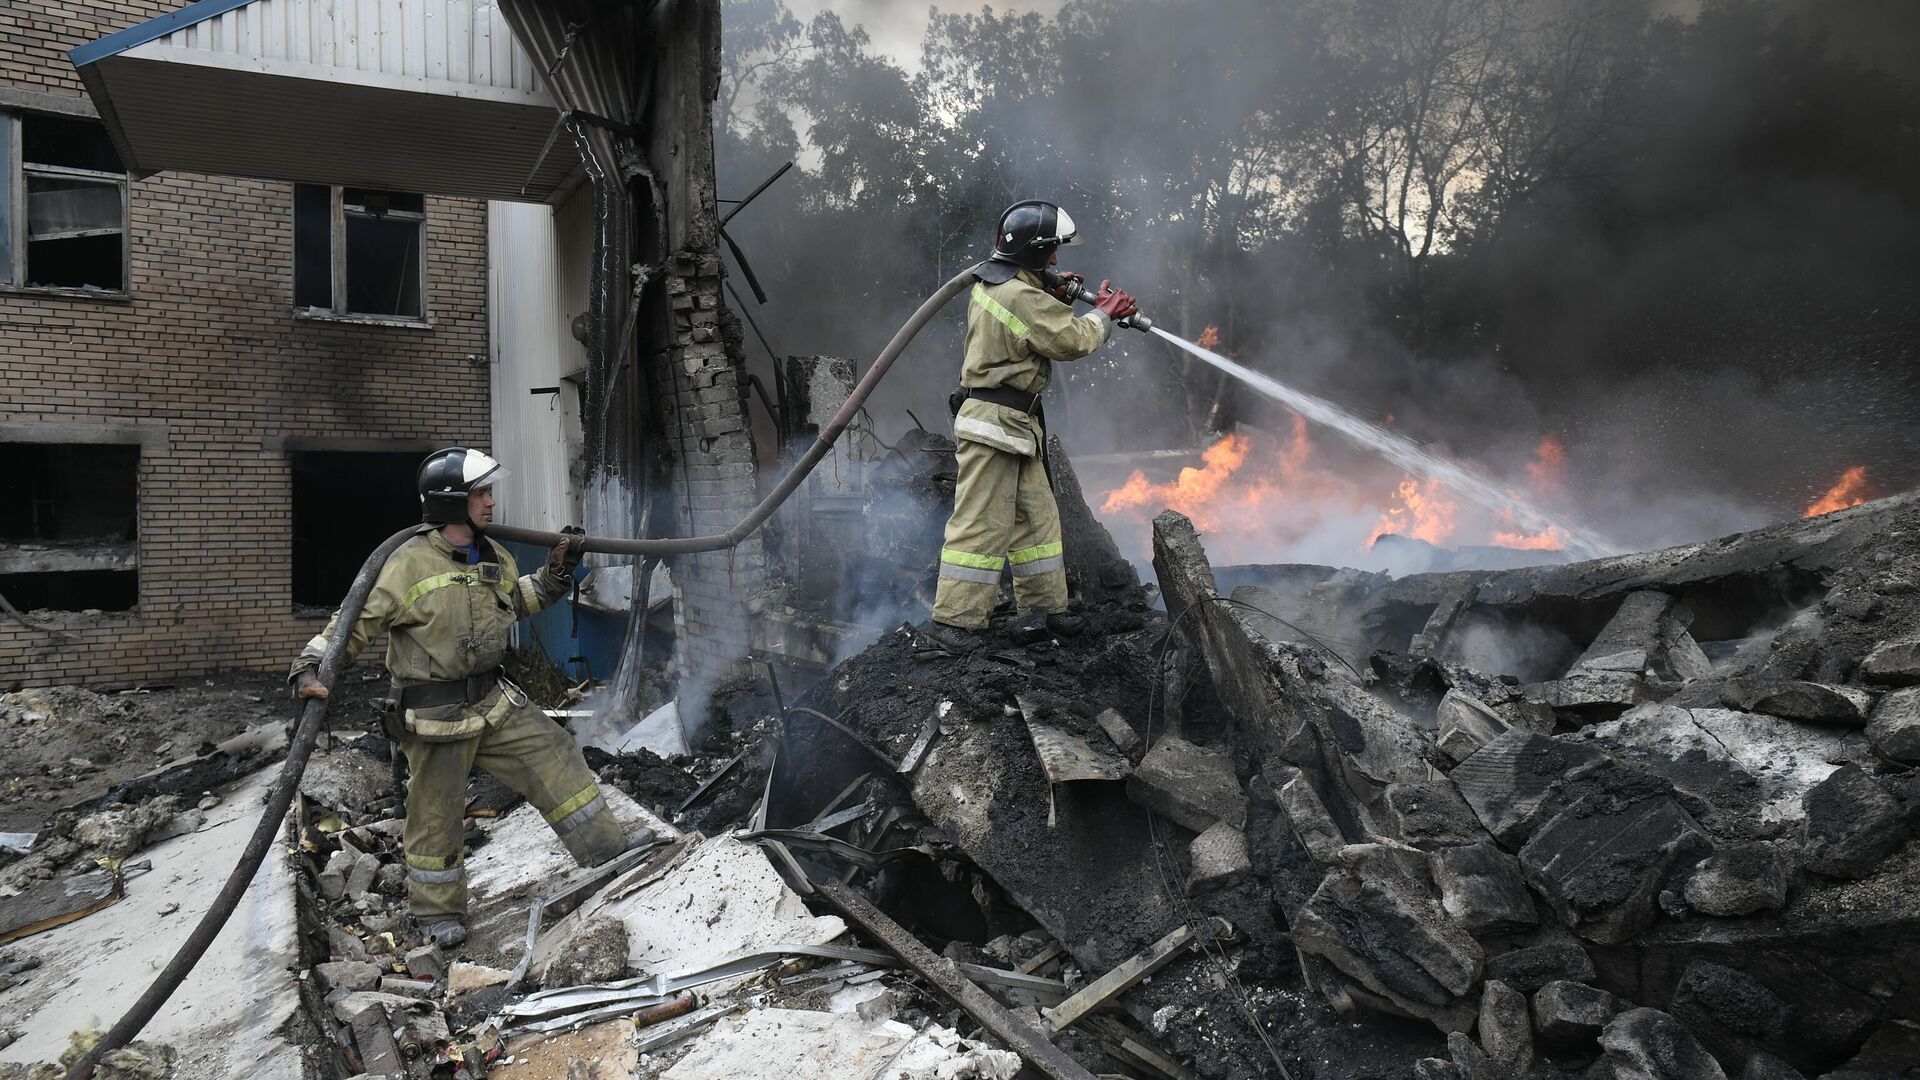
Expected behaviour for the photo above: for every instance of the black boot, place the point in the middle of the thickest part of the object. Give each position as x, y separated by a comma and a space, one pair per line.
1065, 624
957, 640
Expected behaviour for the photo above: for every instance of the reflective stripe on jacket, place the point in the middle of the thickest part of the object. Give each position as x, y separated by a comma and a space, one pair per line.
444, 620
1015, 331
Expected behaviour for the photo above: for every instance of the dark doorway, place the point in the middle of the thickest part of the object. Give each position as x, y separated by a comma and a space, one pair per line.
344, 504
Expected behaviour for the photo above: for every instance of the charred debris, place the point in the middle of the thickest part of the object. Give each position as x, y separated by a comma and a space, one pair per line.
1646, 816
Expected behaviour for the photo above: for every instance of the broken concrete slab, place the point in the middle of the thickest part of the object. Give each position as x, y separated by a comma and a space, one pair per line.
521, 859
1065, 755
1096, 570
1602, 862
788, 1044
230, 1017
1189, 785
427, 962
722, 899
1482, 888
1646, 1044
1647, 635
1533, 967
1571, 1015
1895, 727
1118, 730
1589, 697
1509, 780
1430, 814
1219, 859
1794, 699
1399, 947
1740, 880
1311, 824
347, 779
1749, 767
1732, 1013
464, 978
1893, 663
1290, 706
594, 952
349, 975
1852, 823
1466, 724
1505, 1028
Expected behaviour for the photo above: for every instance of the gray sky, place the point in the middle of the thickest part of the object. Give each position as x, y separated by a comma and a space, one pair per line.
897, 26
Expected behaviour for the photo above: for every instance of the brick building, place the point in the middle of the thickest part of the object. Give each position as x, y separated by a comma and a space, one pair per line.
221, 431
198, 436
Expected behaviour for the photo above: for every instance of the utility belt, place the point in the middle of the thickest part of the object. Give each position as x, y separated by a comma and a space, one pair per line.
1007, 397
468, 691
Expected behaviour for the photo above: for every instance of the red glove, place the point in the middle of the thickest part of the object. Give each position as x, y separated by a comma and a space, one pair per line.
1060, 290
1115, 304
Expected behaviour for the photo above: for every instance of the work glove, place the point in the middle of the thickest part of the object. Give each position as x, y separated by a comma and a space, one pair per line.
308, 685
1113, 303
566, 554
1063, 281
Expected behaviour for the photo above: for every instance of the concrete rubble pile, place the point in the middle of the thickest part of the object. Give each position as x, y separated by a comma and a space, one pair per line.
1648, 816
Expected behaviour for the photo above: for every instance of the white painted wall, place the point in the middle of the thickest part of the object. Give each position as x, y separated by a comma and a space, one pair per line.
530, 346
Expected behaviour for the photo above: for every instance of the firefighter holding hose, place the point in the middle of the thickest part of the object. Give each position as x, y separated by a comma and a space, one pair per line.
1004, 516
446, 600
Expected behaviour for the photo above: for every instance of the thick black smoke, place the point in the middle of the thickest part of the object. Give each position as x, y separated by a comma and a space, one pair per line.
1684, 239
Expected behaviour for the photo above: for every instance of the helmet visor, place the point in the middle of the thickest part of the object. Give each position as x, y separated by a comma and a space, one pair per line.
1064, 228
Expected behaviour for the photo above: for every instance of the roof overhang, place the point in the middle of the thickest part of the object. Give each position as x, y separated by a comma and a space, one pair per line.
285, 90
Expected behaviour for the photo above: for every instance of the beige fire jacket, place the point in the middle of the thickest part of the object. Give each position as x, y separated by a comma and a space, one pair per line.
445, 620
1015, 331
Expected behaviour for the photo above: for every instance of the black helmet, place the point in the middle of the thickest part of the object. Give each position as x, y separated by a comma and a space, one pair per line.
447, 477
1029, 231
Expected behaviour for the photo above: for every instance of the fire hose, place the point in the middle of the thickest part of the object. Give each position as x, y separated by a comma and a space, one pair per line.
307, 727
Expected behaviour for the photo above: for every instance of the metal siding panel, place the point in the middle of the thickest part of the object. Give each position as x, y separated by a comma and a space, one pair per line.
366, 17
393, 38
459, 38
503, 50
435, 37
480, 69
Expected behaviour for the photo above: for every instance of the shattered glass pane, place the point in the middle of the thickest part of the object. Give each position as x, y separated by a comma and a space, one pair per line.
61, 207
383, 266
75, 233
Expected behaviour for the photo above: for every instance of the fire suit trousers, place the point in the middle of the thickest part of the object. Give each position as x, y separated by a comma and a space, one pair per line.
1003, 515
530, 754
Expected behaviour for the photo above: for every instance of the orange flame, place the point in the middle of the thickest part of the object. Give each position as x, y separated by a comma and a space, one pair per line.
1209, 338
1194, 488
1553, 539
1852, 490
1548, 469
1422, 510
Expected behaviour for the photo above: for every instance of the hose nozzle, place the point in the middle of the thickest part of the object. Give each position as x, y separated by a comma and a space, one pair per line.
1078, 290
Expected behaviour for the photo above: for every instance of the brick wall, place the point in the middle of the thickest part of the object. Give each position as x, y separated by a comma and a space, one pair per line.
207, 357
702, 404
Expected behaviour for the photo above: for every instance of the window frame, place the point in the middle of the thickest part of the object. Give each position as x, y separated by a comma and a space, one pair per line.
337, 261
14, 170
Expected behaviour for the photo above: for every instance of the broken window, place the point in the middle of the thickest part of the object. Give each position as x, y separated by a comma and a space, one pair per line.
345, 503
68, 527
357, 251
63, 205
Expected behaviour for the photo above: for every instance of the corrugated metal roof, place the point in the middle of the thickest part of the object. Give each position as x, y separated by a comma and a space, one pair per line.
433, 96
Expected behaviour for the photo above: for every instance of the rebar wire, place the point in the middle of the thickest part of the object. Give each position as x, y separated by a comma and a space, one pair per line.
1177, 896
